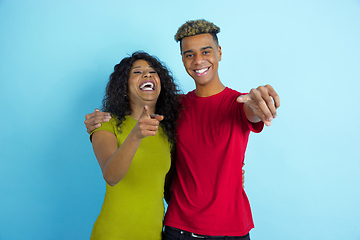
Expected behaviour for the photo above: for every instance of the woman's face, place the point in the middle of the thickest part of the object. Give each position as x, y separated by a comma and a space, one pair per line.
144, 84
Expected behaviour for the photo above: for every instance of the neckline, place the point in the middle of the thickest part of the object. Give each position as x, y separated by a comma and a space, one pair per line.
211, 96
130, 117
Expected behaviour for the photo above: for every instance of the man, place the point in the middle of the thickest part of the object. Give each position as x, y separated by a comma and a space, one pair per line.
207, 197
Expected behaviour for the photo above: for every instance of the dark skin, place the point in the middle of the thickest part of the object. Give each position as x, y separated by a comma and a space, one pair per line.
94, 120
115, 161
201, 56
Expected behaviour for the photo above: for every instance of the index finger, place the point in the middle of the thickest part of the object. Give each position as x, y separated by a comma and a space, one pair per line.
145, 112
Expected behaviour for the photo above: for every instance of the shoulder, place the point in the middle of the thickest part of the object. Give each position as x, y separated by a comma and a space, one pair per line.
109, 126
233, 92
186, 97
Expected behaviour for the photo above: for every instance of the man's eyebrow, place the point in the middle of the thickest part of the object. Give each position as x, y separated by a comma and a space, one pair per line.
208, 47
188, 51
203, 48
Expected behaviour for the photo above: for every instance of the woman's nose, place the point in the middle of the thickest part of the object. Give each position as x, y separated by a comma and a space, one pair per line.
147, 74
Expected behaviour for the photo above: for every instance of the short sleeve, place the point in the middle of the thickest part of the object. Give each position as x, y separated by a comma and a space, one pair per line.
105, 126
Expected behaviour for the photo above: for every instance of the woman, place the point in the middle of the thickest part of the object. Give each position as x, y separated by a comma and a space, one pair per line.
133, 148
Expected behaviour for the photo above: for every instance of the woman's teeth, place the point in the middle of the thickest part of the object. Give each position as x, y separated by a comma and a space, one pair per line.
147, 86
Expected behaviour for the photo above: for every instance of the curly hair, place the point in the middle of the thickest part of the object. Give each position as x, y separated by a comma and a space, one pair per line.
116, 100
196, 27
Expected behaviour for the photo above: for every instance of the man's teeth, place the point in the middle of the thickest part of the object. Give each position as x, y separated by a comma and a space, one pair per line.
201, 70
147, 86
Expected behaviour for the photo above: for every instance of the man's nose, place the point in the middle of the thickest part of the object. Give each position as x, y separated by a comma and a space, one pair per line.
199, 59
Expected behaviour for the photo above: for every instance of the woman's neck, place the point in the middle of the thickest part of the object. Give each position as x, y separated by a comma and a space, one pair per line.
138, 109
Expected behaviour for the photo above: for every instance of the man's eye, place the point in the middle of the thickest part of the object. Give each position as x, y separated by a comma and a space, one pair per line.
189, 55
206, 52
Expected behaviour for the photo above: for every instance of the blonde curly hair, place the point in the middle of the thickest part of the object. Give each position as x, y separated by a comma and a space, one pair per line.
195, 27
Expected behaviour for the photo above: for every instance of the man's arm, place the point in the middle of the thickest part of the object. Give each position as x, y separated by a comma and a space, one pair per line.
94, 120
260, 104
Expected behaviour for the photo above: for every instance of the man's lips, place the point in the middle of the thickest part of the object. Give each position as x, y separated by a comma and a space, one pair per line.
201, 71
147, 86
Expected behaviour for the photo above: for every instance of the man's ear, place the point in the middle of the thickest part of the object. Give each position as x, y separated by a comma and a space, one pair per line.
219, 53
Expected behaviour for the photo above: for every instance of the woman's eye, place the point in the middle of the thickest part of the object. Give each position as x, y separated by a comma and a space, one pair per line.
137, 71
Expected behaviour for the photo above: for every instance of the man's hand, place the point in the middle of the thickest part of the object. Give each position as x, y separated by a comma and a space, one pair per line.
148, 124
260, 104
94, 120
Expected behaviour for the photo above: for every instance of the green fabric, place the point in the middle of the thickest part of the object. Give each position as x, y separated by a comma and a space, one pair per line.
134, 208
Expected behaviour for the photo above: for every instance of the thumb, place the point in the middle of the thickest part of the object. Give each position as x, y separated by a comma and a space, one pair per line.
242, 98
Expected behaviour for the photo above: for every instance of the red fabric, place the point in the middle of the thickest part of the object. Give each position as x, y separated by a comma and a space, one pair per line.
207, 194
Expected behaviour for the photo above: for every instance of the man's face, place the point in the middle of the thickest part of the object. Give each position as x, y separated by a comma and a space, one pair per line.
201, 56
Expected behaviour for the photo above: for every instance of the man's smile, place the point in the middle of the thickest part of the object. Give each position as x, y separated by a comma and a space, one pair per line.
201, 71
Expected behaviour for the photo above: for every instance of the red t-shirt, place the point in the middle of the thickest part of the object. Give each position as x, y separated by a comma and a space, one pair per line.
207, 194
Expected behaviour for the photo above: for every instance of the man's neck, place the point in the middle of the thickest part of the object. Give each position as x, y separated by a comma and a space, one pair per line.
207, 90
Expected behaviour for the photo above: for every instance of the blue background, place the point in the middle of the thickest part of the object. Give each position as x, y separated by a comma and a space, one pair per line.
302, 173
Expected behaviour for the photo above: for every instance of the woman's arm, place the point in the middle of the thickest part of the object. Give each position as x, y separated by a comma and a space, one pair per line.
115, 162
